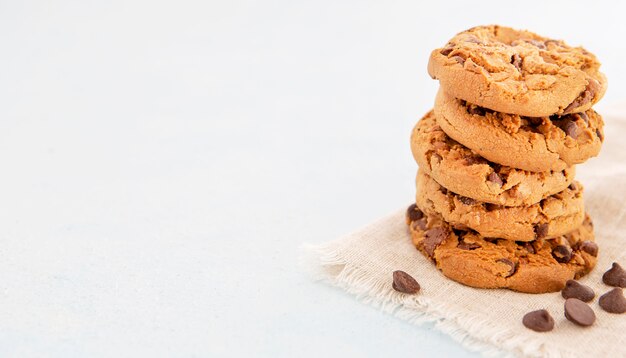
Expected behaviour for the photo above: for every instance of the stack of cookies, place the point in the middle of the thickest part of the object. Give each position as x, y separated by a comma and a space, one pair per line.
497, 205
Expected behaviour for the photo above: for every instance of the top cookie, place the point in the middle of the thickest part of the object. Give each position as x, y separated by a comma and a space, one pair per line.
518, 72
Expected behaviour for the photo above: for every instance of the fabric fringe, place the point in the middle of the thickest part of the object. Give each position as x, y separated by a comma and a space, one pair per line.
326, 263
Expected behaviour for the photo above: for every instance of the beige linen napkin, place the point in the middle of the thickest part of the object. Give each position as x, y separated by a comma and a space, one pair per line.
490, 321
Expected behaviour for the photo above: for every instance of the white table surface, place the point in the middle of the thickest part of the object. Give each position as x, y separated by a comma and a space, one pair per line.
162, 163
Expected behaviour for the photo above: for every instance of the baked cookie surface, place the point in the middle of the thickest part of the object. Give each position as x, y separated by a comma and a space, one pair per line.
464, 172
518, 72
535, 144
540, 266
553, 216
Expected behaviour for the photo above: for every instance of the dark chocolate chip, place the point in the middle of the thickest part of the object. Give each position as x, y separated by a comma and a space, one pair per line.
573, 186
414, 213
516, 61
589, 247
492, 207
529, 247
541, 230
467, 201
579, 312
433, 238
599, 134
467, 246
458, 59
495, 178
421, 223
616, 276
405, 283
447, 50
443, 190
562, 254
538, 321
586, 96
571, 129
573, 289
613, 301
511, 264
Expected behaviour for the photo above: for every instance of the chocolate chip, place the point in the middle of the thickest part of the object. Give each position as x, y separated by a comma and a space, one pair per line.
541, 230
405, 283
579, 312
573, 186
421, 223
433, 238
562, 254
495, 178
516, 61
589, 247
538, 321
584, 117
458, 59
467, 201
436, 156
511, 264
467, 246
570, 128
414, 213
492, 207
474, 160
447, 50
599, 134
616, 276
585, 96
613, 301
573, 289
529, 247
443, 190
473, 109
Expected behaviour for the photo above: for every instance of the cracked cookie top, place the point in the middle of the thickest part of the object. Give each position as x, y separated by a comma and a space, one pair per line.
518, 72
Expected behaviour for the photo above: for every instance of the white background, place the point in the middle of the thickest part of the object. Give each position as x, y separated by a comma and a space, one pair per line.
162, 163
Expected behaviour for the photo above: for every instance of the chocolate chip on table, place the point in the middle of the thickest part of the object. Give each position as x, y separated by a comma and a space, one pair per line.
405, 283
616, 276
414, 213
589, 247
573, 289
570, 128
579, 312
613, 301
511, 264
516, 61
562, 254
538, 321
467, 201
541, 230
433, 238
495, 178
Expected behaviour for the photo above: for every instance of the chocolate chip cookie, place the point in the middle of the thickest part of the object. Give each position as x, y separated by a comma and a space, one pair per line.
540, 266
535, 144
552, 216
518, 72
464, 172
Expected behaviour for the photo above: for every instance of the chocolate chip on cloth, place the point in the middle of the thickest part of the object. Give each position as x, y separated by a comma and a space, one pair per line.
538, 321
616, 276
463, 255
405, 283
613, 301
579, 312
459, 169
573, 289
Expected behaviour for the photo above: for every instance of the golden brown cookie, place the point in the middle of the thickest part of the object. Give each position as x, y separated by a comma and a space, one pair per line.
553, 216
518, 72
535, 144
462, 171
540, 266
